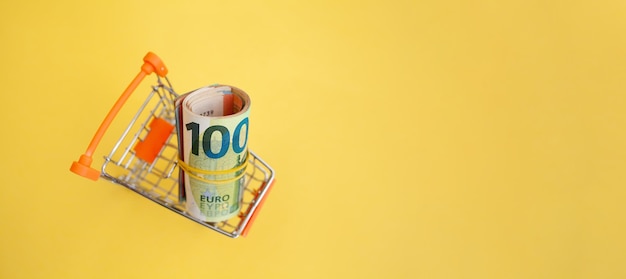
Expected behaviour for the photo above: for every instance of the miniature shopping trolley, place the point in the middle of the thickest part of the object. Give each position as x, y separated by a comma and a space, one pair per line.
145, 158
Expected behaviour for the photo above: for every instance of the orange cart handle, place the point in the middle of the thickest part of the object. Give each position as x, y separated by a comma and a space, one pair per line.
152, 63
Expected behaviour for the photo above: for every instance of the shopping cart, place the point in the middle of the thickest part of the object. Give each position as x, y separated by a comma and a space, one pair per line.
145, 158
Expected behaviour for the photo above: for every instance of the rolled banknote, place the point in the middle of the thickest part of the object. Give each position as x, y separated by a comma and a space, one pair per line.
212, 125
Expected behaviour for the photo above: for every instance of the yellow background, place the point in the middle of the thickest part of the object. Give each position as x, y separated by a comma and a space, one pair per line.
411, 139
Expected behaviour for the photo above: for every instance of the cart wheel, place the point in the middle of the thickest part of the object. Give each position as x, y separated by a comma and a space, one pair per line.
246, 230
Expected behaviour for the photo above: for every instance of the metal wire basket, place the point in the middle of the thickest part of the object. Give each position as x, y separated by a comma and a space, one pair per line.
158, 180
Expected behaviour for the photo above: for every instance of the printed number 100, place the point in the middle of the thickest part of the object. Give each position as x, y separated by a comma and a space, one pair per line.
226, 139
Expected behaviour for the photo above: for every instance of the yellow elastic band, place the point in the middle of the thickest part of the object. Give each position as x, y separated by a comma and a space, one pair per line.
187, 167
191, 171
224, 181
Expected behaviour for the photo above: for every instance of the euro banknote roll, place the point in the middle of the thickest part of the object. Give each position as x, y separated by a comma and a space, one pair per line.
212, 125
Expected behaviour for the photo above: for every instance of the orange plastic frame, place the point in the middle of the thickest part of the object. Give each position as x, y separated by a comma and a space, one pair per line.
152, 64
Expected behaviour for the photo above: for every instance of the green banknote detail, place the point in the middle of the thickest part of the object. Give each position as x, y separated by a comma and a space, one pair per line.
217, 201
214, 127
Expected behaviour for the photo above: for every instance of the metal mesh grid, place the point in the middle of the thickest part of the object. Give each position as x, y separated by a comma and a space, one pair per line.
158, 181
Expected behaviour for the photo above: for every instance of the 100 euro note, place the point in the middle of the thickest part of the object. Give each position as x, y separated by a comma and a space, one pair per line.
212, 124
